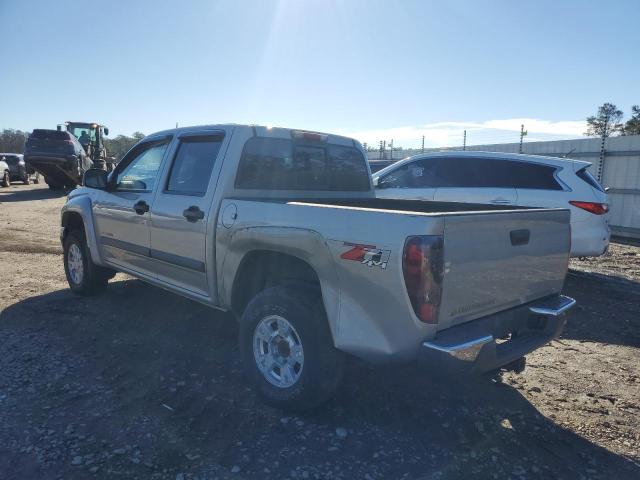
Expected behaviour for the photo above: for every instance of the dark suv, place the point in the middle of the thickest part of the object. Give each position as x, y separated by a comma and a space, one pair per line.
18, 169
58, 156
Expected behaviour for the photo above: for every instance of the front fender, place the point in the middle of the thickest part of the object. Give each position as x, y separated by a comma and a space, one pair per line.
81, 205
307, 245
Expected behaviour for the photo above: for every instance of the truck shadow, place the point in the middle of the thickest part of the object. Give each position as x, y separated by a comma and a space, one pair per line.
139, 366
25, 194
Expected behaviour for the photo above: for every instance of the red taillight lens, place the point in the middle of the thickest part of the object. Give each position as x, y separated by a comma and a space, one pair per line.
591, 207
422, 267
311, 136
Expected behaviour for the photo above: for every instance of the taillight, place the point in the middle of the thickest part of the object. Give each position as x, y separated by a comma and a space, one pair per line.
311, 136
422, 267
591, 207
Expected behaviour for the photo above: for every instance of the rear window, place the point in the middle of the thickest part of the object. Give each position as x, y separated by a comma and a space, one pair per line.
586, 176
281, 164
49, 135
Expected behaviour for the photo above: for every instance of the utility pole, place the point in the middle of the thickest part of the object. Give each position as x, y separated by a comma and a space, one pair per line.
523, 132
602, 154
176, 124
422, 143
391, 148
464, 141
381, 155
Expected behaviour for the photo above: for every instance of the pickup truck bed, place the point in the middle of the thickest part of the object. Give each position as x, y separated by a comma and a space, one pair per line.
487, 268
284, 230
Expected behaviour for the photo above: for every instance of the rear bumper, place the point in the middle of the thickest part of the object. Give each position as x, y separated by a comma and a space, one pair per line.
62, 169
491, 342
590, 238
61, 160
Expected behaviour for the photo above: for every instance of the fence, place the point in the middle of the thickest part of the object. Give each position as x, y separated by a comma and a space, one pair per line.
617, 166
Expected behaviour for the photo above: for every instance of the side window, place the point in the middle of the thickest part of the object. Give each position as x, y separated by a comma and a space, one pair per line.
418, 174
141, 171
192, 166
533, 176
473, 173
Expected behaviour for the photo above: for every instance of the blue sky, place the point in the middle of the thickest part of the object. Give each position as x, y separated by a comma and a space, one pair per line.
375, 69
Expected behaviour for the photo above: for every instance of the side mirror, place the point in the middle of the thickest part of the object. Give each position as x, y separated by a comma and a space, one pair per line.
106, 131
95, 178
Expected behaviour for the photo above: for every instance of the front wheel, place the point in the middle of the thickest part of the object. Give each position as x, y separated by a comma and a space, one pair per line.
6, 179
84, 277
287, 348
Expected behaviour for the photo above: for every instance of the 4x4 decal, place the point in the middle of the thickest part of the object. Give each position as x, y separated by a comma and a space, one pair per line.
368, 255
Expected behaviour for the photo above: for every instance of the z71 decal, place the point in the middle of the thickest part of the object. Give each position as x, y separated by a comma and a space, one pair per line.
368, 255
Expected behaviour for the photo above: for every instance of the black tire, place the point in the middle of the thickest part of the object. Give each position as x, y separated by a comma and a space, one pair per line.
36, 179
6, 179
26, 180
93, 278
53, 185
322, 369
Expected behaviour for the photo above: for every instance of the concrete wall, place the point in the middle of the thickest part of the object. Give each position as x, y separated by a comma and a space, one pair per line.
620, 170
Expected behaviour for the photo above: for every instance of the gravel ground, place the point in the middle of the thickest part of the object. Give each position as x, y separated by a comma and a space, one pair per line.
140, 383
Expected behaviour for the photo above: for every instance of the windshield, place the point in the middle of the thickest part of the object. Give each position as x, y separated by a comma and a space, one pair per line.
83, 133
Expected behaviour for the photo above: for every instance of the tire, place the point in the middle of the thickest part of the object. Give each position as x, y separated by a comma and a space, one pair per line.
53, 185
26, 180
84, 277
36, 180
6, 179
313, 367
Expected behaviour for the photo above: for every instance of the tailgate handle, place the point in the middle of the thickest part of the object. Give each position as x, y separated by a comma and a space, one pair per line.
519, 237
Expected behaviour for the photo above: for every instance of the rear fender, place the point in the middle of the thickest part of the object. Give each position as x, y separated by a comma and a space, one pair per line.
307, 245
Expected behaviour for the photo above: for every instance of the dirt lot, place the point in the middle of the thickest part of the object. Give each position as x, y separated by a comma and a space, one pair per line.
140, 383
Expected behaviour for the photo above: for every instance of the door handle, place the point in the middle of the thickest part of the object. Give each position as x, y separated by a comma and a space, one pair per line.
193, 214
501, 201
141, 207
519, 237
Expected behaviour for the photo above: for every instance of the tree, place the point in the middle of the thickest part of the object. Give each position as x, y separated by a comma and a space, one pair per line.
120, 145
606, 123
12, 141
632, 126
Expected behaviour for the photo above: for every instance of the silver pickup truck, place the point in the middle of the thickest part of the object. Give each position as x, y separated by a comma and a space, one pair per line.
282, 228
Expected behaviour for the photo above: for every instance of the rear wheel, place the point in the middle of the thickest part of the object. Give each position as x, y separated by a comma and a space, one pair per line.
287, 348
6, 179
26, 180
84, 276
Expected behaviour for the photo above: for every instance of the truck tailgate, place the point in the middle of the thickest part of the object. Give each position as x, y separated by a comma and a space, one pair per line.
494, 261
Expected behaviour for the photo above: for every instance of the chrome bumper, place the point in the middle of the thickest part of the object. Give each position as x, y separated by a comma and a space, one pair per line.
473, 346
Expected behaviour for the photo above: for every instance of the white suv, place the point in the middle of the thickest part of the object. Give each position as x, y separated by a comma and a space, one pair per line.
506, 179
